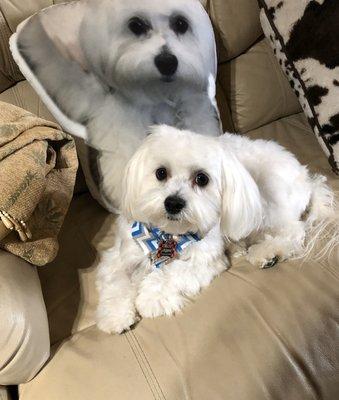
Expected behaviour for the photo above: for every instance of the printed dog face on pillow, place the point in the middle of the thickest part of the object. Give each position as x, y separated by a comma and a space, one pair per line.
147, 44
110, 69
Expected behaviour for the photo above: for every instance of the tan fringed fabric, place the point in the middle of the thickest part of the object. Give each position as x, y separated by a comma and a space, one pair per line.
38, 165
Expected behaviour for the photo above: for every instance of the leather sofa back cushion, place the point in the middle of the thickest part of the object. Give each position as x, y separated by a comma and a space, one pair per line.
15, 11
12, 12
9, 72
304, 37
256, 89
236, 24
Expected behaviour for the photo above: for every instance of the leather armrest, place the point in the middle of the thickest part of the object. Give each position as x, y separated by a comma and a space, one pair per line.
24, 335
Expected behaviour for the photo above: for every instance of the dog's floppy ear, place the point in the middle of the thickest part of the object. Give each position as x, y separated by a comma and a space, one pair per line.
241, 202
47, 47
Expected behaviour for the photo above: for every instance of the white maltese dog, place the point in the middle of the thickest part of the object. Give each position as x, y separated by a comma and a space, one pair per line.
185, 196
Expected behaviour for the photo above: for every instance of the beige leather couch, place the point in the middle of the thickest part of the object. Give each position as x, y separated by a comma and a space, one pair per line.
252, 335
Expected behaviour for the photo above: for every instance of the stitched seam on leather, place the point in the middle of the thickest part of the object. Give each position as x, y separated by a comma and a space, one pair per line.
148, 363
146, 366
143, 370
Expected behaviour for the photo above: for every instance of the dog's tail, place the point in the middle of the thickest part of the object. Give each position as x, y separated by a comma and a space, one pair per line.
322, 221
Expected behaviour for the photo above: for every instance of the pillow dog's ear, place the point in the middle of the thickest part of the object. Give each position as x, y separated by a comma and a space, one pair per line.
48, 50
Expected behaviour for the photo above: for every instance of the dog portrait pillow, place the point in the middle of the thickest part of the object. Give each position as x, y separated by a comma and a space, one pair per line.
109, 70
305, 39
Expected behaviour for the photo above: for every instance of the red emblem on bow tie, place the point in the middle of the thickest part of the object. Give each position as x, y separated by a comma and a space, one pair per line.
167, 249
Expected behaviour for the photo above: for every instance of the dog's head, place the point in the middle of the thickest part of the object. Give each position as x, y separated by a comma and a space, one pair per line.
183, 182
149, 45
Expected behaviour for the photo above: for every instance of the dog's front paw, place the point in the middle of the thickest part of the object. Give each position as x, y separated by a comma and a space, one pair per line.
116, 321
154, 303
262, 256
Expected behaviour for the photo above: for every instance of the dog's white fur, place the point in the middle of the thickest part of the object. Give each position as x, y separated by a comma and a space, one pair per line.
101, 81
257, 191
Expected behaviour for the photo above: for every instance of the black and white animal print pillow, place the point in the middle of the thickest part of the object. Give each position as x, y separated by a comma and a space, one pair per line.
305, 39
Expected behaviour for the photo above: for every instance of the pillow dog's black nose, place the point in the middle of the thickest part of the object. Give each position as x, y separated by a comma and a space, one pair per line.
166, 63
174, 204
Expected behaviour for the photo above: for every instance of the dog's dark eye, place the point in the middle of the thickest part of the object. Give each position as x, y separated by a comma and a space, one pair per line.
179, 25
201, 179
161, 174
138, 26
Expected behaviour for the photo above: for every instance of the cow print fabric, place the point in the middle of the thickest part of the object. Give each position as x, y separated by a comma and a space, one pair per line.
305, 39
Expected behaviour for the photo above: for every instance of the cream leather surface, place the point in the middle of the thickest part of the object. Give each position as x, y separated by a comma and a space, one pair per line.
22, 95
9, 72
256, 88
237, 25
24, 341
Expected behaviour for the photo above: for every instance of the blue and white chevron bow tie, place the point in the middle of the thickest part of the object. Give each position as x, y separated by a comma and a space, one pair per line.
161, 246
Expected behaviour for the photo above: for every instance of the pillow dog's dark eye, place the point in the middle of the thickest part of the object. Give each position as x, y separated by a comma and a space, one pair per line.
201, 179
138, 26
179, 25
161, 174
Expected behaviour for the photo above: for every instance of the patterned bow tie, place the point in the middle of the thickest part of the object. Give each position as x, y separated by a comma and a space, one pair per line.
161, 247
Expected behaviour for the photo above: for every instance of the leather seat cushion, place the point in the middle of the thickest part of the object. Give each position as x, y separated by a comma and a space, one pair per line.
252, 334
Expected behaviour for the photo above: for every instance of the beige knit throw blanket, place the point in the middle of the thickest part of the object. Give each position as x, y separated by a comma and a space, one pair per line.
38, 165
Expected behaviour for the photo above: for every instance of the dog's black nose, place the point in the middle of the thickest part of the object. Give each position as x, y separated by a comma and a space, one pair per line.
166, 63
174, 204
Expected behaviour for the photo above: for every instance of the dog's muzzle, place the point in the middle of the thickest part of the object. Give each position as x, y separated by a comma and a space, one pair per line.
166, 63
